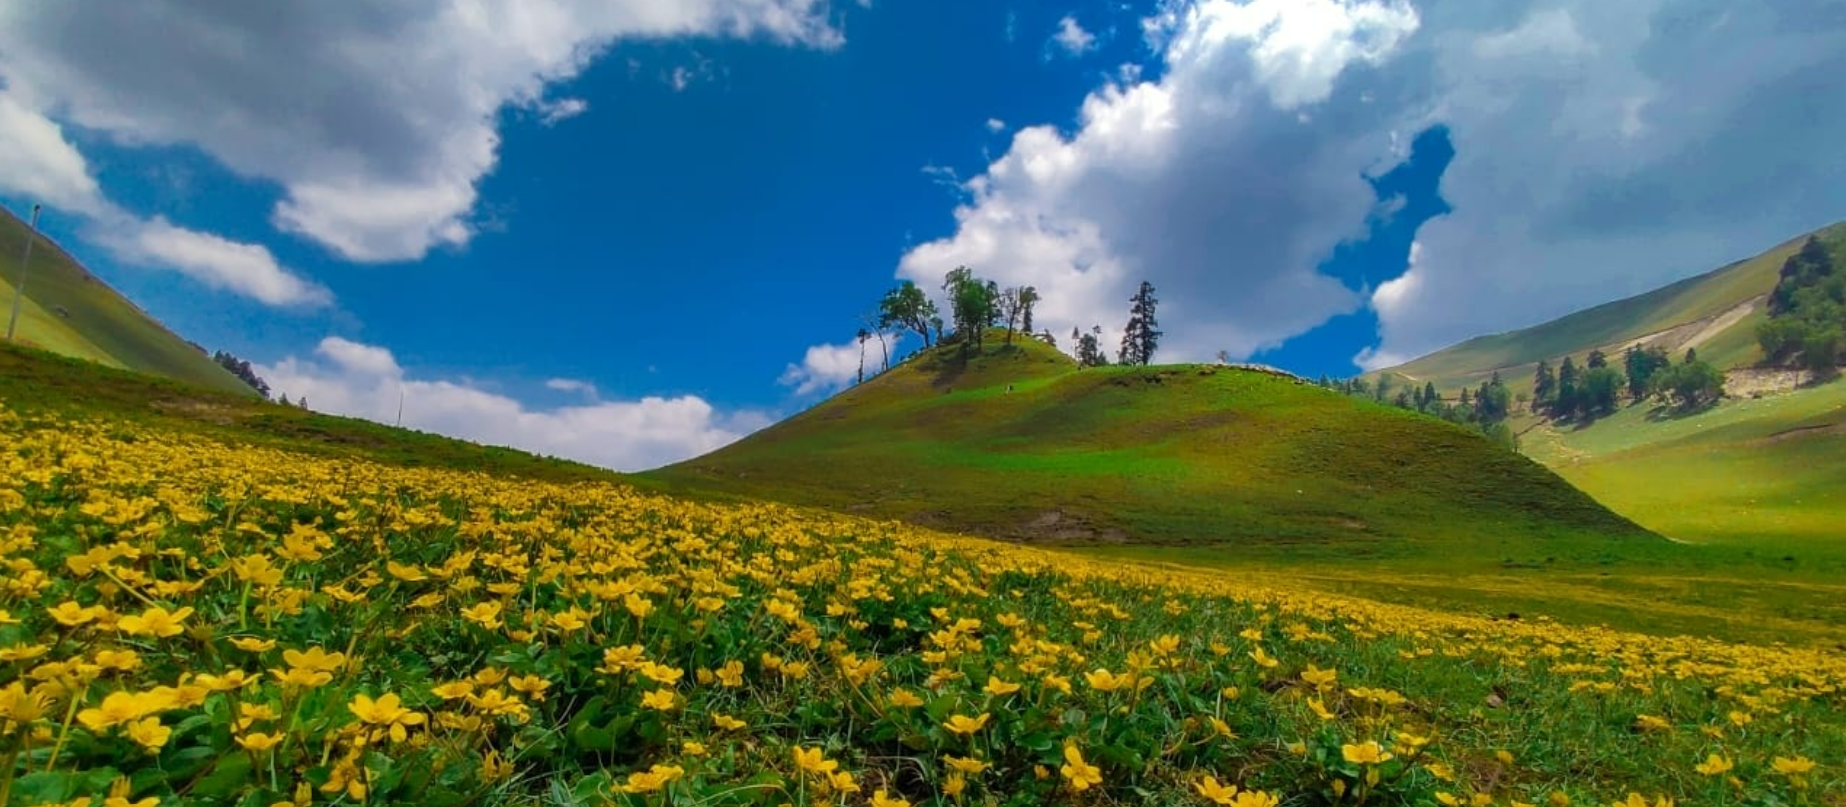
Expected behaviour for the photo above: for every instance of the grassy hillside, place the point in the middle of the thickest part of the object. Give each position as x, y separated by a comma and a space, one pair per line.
1018, 443
39, 381
1717, 312
1761, 471
69, 311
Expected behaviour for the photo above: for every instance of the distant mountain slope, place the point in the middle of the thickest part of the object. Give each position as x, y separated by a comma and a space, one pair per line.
1019, 443
1764, 468
67, 310
1718, 312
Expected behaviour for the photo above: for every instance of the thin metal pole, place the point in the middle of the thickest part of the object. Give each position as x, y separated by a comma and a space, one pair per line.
19, 291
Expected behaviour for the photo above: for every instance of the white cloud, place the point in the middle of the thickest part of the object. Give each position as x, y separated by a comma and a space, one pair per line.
1071, 37
247, 269
829, 367
377, 117
38, 163
43, 166
574, 386
359, 380
1203, 182
1604, 149
996, 125
554, 111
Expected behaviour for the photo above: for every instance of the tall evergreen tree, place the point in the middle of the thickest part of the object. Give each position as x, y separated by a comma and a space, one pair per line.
1142, 336
1544, 386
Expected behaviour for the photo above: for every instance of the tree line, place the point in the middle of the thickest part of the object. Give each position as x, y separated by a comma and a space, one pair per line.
978, 305
1807, 312
1596, 389
1486, 408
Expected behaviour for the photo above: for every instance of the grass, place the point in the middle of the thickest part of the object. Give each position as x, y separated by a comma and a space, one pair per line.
203, 623
69, 311
1183, 455
44, 382
1760, 473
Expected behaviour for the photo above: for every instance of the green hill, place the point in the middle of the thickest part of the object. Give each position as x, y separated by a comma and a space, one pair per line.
1019, 443
1763, 469
67, 310
1716, 312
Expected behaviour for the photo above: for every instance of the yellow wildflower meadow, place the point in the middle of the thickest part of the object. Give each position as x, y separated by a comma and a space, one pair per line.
188, 622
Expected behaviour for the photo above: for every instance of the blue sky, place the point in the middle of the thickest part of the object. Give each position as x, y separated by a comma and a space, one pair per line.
629, 232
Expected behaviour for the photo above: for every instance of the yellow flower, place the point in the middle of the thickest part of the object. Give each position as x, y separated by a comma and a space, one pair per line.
1320, 709
118, 796
1505, 756
259, 741
905, 699
967, 765
155, 621
962, 724
954, 785
995, 686
486, 614
70, 614
813, 761
1792, 767
663, 700
1081, 775
652, 779
881, 799
388, 713
1213, 791
116, 709
1102, 680
1319, 678
253, 645
149, 733
1713, 765
314, 658
726, 722
1366, 753
1261, 658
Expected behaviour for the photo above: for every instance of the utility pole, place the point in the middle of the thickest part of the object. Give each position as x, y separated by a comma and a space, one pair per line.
19, 289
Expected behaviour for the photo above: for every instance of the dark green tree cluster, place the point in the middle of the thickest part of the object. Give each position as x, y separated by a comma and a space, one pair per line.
975, 305
1807, 312
240, 368
1089, 347
1598, 389
1485, 407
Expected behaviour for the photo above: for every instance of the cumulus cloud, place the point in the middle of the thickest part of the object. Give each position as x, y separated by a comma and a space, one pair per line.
218, 262
376, 117
1602, 149
39, 163
1205, 181
827, 367
1071, 38
351, 378
42, 165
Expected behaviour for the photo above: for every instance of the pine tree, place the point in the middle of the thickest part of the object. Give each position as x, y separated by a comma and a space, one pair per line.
1142, 336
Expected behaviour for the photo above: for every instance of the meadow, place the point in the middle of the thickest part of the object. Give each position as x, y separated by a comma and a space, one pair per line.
193, 619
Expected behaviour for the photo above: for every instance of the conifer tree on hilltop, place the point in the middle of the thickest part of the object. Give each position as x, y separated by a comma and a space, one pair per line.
1142, 336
